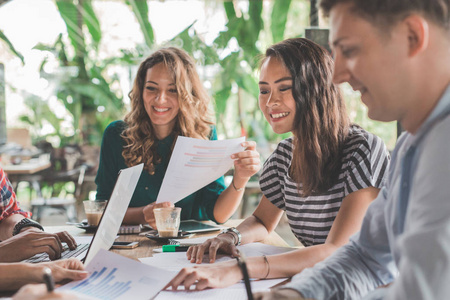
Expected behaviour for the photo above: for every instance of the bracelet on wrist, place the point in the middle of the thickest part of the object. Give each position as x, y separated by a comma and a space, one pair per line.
266, 261
238, 235
233, 236
26, 223
237, 189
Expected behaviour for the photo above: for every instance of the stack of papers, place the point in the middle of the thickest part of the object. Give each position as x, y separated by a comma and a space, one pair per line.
113, 276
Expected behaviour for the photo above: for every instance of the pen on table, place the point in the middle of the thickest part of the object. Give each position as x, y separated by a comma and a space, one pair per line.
243, 266
48, 279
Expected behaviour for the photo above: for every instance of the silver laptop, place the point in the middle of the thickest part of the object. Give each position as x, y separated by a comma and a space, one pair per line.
111, 218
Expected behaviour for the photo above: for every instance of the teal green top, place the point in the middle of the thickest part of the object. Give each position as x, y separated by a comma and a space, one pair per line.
197, 206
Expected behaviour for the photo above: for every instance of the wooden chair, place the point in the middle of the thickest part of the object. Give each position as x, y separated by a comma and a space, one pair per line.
66, 167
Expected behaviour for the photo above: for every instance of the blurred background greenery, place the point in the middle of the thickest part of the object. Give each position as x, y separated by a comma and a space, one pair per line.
92, 87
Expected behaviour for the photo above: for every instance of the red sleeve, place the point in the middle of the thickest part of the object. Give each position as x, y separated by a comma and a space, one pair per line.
8, 203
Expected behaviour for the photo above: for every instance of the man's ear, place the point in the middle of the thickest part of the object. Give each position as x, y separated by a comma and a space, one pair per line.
418, 34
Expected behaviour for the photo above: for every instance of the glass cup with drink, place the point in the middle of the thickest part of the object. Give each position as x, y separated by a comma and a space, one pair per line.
94, 211
167, 221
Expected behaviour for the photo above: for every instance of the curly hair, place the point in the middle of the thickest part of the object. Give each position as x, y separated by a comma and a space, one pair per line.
321, 122
193, 119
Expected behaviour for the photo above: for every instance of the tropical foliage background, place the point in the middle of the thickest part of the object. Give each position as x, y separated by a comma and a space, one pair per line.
90, 85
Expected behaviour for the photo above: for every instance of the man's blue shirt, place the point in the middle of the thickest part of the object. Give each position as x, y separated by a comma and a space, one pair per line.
405, 235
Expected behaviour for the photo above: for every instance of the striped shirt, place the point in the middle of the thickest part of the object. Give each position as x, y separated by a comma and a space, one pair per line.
364, 164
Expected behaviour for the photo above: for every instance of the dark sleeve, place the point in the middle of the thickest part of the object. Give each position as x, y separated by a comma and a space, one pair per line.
368, 165
208, 198
110, 160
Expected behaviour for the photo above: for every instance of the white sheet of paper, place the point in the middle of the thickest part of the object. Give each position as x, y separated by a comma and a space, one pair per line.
194, 164
83, 239
175, 261
195, 241
113, 276
235, 292
259, 249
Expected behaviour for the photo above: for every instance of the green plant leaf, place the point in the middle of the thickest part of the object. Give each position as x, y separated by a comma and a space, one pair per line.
255, 10
11, 47
220, 100
70, 15
278, 19
140, 10
248, 83
92, 22
229, 9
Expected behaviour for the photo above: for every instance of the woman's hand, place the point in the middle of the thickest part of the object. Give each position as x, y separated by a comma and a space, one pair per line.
247, 162
149, 215
224, 242
207, 276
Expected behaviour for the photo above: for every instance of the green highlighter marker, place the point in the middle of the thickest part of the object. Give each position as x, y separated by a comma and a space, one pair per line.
174, 248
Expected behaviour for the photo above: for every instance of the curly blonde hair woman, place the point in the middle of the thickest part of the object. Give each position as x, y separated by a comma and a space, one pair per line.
168, 100
191, 121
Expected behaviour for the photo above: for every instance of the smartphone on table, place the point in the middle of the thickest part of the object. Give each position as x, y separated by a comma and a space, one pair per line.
124, 245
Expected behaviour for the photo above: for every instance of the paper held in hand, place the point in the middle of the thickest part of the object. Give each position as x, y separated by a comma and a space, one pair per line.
194, 164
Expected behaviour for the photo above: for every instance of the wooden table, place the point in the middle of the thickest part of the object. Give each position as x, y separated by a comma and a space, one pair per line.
26, 168
147, 245
27, 171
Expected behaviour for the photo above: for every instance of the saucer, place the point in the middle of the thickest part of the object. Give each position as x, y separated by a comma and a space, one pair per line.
181, 235
87, 227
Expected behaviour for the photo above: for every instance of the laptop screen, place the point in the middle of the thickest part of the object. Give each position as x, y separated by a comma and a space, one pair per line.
114, 211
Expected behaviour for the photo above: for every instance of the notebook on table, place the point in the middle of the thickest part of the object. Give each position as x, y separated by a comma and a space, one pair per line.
110, 221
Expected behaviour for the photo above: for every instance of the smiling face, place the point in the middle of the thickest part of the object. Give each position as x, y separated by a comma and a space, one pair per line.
373, 63
161, 99
275, 97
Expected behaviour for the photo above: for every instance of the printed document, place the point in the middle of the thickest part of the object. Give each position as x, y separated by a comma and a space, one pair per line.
113, 276
194, 164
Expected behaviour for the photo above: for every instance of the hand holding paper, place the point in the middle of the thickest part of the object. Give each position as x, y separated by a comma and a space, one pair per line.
194, 164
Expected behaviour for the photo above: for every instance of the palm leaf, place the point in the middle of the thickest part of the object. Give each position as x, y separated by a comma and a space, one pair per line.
69, 14
92, 22
11, 47
140, 10
279, 18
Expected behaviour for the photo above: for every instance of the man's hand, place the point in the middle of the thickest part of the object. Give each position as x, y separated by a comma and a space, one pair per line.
149, 215
33, 241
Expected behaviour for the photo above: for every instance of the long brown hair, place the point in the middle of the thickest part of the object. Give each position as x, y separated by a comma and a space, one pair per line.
321, 122
193, 119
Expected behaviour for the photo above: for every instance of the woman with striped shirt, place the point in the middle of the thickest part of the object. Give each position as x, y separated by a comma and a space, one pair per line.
324, 177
